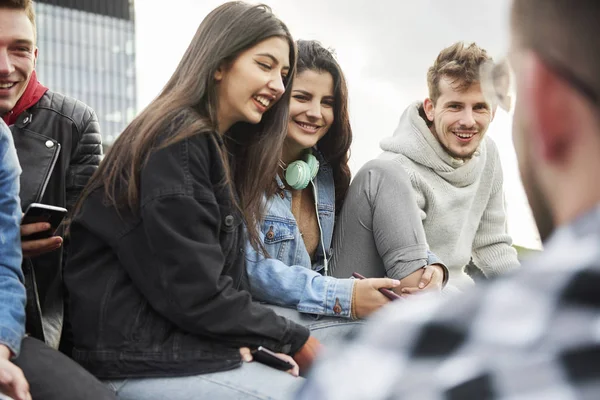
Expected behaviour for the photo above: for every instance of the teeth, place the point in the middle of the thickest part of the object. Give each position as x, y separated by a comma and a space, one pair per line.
6, 85
464, 135
306, 126
263, 100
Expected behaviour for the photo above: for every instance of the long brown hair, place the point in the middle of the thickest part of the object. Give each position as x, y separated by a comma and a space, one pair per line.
190, 99
335, 145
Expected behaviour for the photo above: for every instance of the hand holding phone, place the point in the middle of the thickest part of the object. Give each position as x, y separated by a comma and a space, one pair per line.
274, 360
38, 226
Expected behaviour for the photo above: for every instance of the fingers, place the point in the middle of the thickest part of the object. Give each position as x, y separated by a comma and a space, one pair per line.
378, 283
246, 354
32, 248
295, 371
13, 382
426, 277
29, 229
410, 290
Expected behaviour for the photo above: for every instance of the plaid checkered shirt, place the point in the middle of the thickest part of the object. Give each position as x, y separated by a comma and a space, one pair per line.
534, 334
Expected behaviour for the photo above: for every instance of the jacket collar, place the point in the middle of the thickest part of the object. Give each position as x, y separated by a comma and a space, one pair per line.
32, 94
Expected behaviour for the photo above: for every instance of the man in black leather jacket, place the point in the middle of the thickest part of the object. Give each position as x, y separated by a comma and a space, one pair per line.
59, 147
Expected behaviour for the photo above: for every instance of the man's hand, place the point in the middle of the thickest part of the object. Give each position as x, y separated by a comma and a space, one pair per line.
247, 357
432, 279
34, 248
12, 380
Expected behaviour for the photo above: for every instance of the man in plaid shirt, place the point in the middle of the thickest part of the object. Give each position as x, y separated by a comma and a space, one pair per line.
534, 334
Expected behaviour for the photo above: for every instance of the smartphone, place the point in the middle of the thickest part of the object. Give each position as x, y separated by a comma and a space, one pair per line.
37, 212
267, 357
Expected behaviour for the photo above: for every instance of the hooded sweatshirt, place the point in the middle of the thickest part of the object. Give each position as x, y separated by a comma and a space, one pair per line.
461, 201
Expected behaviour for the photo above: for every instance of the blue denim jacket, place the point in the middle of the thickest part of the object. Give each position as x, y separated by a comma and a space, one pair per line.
12, 291
290, 278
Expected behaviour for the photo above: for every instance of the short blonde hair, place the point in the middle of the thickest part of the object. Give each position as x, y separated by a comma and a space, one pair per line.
458, 62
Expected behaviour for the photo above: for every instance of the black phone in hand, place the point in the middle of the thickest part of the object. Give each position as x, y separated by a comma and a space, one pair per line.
37, 212
267, 357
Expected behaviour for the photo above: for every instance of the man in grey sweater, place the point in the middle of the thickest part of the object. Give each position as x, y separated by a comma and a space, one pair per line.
438, 184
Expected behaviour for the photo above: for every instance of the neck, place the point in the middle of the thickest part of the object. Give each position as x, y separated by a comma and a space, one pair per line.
290, 154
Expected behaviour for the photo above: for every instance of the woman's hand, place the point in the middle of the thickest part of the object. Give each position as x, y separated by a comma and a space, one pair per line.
368, 298
431, 280
247, 357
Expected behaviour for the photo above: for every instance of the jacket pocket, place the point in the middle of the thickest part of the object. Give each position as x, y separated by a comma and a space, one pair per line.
278, 230
280, 238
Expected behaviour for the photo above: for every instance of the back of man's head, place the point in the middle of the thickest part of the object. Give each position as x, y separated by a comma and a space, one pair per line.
556, 57
459, 62
567, 31
24, 5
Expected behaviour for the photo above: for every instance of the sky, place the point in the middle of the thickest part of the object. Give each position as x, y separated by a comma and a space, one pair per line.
384, 48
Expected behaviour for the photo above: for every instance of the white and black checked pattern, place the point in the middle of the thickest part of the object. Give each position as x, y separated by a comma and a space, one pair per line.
532, 335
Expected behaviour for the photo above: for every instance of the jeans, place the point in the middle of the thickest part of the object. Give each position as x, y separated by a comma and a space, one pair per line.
250, 381
330, 331
53, 376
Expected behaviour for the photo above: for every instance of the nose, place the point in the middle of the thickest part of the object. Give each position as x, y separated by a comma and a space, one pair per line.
467, 118
276, 86
314, 110
6, 65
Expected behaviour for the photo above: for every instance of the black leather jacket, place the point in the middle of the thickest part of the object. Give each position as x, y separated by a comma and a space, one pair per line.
163, 291
59, 148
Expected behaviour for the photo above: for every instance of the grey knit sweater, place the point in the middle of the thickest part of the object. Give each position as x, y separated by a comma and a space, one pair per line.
461, 202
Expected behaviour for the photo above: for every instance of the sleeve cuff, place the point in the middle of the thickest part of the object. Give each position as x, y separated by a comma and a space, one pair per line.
433, 259
339, 297
11, 339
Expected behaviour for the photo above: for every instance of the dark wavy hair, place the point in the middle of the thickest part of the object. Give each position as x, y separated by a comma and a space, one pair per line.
335, 145
190, 98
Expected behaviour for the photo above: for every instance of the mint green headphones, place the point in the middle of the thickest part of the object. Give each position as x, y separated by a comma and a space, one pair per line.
299, 173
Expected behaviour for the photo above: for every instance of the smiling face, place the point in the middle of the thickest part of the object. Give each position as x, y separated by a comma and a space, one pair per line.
252, 83
17, 56
460, 118
311, 111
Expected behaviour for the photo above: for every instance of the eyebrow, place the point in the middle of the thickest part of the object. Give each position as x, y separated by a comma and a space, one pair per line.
272, 57
24, 41
450, 103
302, 91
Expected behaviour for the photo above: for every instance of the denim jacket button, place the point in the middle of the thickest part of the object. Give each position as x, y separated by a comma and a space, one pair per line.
270, 233
337, 308
229, 220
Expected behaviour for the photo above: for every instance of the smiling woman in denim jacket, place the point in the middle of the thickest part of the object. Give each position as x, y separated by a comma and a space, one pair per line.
314, 171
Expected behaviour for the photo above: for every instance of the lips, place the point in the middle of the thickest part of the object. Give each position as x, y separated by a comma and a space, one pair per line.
7, 85
464, 136
307, 126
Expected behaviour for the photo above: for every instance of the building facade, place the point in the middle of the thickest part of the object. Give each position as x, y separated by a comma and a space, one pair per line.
87, 51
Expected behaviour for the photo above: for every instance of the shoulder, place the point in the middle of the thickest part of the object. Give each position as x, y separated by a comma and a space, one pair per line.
67, 108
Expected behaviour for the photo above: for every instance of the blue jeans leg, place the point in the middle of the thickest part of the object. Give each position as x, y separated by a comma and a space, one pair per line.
250, 381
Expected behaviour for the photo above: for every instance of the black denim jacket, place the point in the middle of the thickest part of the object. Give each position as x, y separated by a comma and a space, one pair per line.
163, 293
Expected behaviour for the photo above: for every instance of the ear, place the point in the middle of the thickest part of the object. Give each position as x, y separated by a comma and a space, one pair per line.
547, 95
35, 56
219, 73
429, 107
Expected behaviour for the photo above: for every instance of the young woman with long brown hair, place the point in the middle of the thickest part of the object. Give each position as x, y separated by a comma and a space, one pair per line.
156, 275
